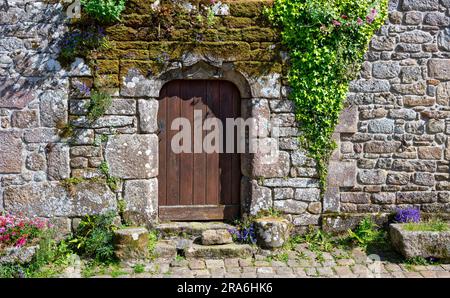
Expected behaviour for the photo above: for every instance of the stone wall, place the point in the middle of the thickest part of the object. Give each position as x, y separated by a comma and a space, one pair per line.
33, 96
392, 137
396, 138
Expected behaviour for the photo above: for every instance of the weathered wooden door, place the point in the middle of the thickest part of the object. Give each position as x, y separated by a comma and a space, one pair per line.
197, 186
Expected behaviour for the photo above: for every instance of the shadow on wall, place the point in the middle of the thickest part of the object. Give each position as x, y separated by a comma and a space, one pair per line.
32, 89
30, 33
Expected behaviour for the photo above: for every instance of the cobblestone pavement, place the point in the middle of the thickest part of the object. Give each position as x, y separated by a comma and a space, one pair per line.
302, 263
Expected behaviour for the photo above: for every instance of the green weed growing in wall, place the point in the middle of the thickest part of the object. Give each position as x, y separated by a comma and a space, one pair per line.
111, 181
326, 41
105, 11
81, 42
98, 104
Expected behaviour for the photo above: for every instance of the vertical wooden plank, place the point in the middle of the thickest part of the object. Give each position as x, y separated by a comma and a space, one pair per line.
173, 172
212, 161
198, 179
186, 159
226, 110
236, 163
198, 89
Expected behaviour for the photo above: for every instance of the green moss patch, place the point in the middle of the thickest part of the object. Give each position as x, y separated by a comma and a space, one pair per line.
430, 226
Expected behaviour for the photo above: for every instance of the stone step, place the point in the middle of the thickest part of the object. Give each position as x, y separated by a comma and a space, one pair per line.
188, 229
231, 250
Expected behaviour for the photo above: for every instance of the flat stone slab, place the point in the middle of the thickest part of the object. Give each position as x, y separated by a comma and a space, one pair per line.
165, 249
420, 243
216, 237
194, 229
220, 251
52, 199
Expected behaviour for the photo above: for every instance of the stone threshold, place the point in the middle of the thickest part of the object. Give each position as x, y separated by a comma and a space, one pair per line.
189, 229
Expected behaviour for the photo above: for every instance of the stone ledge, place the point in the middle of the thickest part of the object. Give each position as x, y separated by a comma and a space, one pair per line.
219, 251
420, 243
341, 222
51, 199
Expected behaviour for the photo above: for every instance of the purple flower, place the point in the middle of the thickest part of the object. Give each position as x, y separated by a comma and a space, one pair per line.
407, 215
83, 88
369, 19
244, 234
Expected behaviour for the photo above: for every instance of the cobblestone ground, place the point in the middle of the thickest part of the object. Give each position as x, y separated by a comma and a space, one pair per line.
302, 263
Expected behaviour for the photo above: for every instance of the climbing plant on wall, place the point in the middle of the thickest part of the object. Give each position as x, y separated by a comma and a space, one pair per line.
326, 41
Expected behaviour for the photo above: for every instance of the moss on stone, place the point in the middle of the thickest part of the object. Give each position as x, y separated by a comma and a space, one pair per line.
222, 34
150, 40
146, 68
229, 51
135, 20
264, 55
182, 35
107, 67
107, 54
133, 54
157, 49
139, 6
259, 34
255, 45
136, 45
246, 8
238, 22
106, 81
121, 33
146, 34
256, 69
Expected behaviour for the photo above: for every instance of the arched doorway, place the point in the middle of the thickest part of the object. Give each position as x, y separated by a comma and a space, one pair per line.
197, 186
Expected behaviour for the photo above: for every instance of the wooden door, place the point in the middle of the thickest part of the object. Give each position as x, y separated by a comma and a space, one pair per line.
197, 186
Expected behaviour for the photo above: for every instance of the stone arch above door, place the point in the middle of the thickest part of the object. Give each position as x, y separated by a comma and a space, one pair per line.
255, 94
135, 84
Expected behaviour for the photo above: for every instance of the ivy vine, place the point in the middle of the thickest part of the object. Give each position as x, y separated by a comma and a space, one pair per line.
326, 41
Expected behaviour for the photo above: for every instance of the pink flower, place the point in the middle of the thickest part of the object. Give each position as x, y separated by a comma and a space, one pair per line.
359, 21
336, 23
371, 17
21, 242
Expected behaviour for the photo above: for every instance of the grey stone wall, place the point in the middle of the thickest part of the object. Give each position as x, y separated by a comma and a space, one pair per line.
395, 143
393, 137
34, 92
